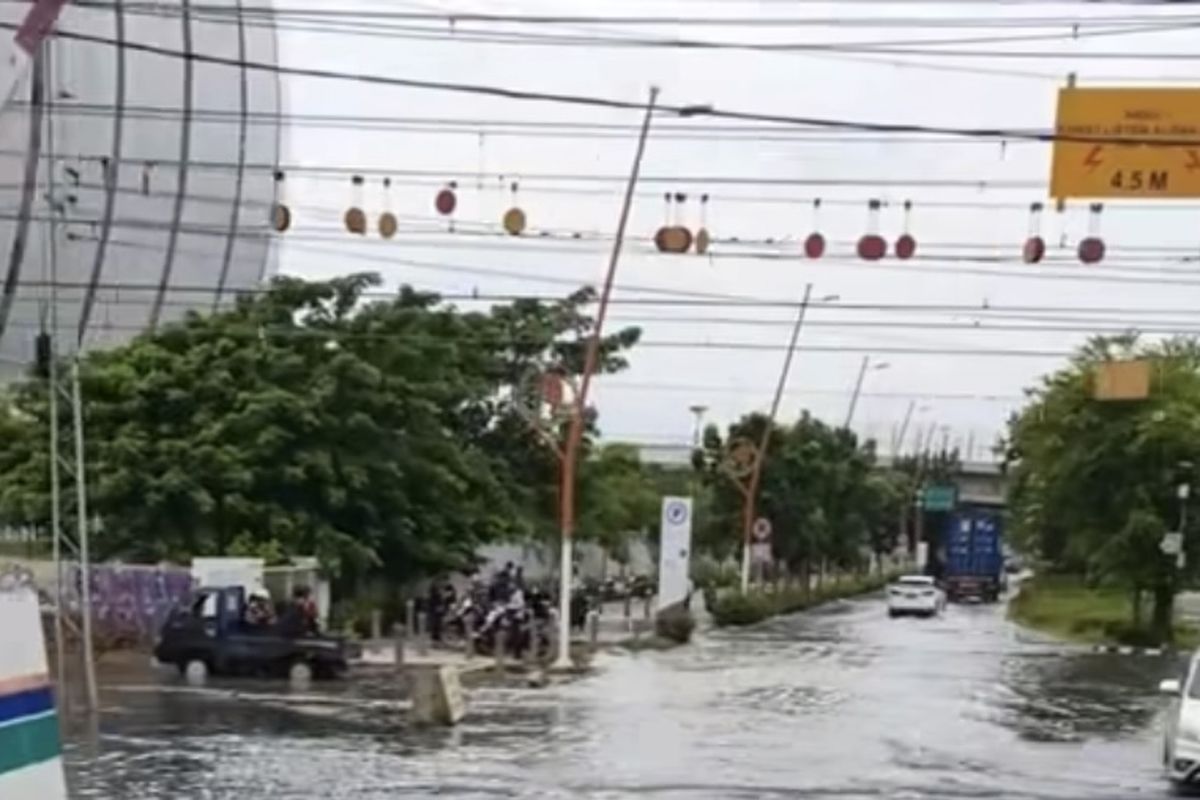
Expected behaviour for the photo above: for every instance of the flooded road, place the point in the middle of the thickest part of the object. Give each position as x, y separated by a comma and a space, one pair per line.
840, 703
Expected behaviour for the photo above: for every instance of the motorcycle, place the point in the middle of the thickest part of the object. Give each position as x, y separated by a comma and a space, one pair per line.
524, 626
469, 615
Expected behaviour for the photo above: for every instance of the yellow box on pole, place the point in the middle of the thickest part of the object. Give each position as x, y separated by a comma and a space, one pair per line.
1142, 171
1122, 380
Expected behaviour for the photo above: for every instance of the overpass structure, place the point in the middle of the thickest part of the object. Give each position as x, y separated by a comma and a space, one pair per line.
979, 482
982, 483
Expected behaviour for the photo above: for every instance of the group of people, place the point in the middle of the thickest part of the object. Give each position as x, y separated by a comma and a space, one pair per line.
299, 617
506, 592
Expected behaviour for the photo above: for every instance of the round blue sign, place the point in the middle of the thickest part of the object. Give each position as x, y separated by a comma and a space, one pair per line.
677, 512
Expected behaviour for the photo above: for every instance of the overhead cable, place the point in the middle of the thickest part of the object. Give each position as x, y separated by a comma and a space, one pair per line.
699, 110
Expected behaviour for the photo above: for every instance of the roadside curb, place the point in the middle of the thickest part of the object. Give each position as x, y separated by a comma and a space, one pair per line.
1122, 650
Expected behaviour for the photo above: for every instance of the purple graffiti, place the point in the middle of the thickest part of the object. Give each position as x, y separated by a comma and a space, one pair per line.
130, 602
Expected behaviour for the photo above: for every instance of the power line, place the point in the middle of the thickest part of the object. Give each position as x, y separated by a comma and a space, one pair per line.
124, 296
604, 385
499, 128
979, 326
609, 103
373, 27
470, 184
409, 337
443, 176
686, 299
278, 11
943, 263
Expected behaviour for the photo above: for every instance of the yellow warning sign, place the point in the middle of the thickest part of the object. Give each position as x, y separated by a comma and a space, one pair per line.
1139, 171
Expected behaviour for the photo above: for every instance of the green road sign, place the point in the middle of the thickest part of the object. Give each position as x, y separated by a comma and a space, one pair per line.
939, 498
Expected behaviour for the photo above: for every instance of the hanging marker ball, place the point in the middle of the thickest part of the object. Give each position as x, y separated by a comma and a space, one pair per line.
1091, 250
872, 247
281, 217
814, 245
906, 246
356, 220
514, 221
660, 239
445, 202
1034, 250
387, 225
703, 240
677, 239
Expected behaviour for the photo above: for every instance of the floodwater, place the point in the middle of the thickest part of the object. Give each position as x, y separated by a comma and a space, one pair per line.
839, 703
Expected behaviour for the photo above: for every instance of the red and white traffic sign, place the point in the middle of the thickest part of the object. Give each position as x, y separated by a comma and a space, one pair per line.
761, 530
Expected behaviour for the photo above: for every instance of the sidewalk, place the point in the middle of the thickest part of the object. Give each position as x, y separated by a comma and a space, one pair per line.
382, 653
613, 629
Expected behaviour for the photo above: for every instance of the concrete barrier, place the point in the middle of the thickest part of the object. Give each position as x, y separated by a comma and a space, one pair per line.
437, 697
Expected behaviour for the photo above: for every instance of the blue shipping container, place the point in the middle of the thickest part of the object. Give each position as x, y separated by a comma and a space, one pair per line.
972, 540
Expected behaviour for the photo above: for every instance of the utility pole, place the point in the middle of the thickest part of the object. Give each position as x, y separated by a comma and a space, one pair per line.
760, 455
862, 374
575, 429
698, 411
858, 385
64, 389
912, 404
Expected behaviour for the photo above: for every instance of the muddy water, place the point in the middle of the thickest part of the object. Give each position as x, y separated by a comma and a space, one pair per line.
839, 703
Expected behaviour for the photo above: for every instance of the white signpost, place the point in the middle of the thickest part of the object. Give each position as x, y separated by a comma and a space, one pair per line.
675, 550
760, 550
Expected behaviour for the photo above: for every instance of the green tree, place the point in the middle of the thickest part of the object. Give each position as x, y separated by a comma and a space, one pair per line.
305, 420
818, 488
1094, 483
617, 499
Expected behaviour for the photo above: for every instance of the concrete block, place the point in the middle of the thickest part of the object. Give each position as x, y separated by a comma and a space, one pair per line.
437, 696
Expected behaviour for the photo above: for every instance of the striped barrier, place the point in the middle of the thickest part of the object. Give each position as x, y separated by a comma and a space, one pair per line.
30, 745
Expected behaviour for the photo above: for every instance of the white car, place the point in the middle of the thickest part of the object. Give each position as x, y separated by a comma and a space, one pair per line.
1181, 738
917, 595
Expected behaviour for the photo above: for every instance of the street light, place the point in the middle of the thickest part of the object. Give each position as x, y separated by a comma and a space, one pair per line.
862, 374
698, 411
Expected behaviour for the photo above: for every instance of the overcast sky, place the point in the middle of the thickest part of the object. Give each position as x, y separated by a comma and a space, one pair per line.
987, 220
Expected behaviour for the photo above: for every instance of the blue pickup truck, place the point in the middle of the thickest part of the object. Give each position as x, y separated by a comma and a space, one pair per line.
974, 556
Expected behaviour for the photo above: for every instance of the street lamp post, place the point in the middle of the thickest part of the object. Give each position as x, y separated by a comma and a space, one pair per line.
698, 411
575, 428
750, 489
858, 385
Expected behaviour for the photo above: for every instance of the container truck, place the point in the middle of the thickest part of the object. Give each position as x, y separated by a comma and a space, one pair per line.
974, 564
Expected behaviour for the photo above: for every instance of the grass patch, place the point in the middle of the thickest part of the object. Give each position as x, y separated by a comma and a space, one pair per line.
1066, 607
735, 608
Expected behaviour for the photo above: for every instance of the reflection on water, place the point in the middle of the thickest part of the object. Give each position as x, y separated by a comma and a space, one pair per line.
840, 703
1088, 696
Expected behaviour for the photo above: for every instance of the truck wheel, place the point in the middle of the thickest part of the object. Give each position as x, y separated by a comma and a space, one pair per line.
300, 672
195, 670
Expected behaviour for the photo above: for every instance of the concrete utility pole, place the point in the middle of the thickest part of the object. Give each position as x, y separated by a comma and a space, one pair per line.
899, 441
575, 431
698, 412
858, 385
751, 495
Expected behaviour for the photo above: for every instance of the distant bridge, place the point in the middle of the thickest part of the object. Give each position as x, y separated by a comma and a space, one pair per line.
980, 482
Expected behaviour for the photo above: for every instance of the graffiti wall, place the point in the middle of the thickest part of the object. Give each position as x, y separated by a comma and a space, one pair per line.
130, 602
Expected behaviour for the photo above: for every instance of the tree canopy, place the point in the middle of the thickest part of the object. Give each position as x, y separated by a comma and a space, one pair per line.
380, 435
819, 489
1094, 483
